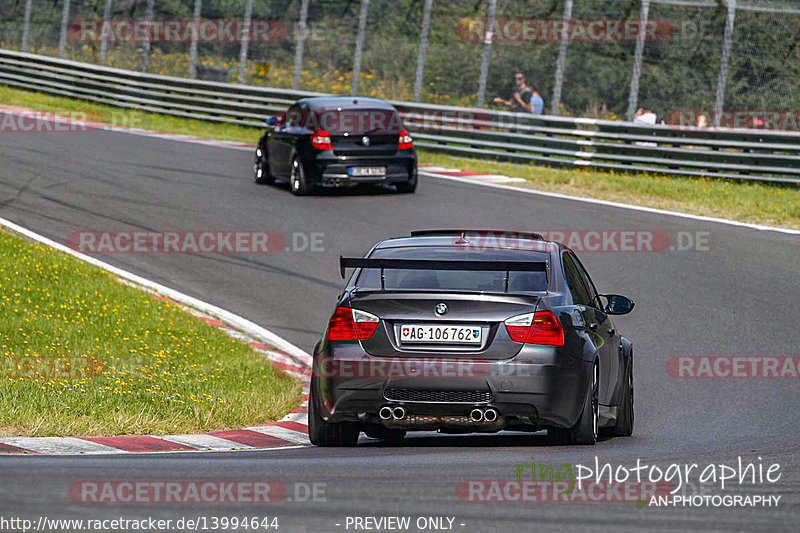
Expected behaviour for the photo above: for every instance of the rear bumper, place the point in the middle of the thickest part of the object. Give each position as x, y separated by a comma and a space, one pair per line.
540, 387
329, 170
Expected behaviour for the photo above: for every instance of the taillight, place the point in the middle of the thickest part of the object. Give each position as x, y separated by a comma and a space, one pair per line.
321, 140
404, 141
541, 327
351, 325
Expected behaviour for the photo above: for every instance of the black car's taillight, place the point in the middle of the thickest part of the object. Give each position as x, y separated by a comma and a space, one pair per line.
404, 141
321, 140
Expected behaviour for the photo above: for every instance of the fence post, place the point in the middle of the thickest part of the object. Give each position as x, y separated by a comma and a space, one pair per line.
104, 40
633, 95
144, 59
487, 48
62, 38
423, 47
198, 7
26, 26
727, 43
246, 32
562, 58
301, 39
362, 30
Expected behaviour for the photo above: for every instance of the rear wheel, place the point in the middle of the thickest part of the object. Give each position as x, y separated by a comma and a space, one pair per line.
409, 186
328, 434
261, 169
297, 179
624, 427
585, 431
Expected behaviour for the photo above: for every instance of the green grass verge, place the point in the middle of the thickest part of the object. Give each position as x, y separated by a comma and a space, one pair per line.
746, 202
83, 354
127, 117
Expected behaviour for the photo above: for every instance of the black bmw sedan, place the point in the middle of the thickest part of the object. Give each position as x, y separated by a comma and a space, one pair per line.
337, 142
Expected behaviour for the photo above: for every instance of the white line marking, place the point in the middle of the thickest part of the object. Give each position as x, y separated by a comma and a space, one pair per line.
226, 316
300, 418
616, 204
59, 445
283, 434
205, 442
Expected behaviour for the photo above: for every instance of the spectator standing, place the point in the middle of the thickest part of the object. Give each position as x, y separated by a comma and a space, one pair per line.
520, 95
537, 103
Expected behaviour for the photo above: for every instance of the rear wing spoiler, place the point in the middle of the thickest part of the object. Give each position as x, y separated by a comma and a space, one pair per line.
435, 264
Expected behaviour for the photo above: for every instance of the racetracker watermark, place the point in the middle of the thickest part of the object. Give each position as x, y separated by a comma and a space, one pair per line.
735, 119
206, 492
460, 120
733, 367
47, 367
193, 242
572, 30
619, 240
503, 490
47, 121
176, 31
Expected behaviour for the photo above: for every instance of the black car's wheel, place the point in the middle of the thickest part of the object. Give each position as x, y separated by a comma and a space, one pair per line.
624, 426
585, 431
297, 179
409, 186
261, 171
376, 431
328, 434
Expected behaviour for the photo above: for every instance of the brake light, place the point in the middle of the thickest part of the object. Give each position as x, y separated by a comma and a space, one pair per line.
541, 327
404, 141
321, 140
351, 325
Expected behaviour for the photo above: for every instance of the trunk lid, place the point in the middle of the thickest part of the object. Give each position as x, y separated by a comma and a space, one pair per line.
465, 313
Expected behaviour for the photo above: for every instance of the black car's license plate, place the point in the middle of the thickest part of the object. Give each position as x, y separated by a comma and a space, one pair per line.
367, 172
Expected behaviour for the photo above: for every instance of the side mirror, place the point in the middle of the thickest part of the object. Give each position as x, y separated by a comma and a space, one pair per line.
272, 121
618, 304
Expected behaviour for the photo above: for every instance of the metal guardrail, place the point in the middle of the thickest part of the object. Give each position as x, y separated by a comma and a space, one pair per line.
753, 155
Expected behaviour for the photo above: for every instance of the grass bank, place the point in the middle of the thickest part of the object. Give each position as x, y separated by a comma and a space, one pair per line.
83, 354
745, 202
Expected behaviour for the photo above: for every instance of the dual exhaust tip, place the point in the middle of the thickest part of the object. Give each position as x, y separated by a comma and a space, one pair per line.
388, 412
488, 415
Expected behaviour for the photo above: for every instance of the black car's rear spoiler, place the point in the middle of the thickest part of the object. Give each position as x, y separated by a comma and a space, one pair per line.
435, 264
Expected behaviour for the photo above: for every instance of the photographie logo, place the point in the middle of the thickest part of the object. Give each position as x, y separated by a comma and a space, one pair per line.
557, 30
176, 31
194, 242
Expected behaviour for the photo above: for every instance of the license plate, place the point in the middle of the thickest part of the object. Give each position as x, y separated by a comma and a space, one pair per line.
441, 334
367, 172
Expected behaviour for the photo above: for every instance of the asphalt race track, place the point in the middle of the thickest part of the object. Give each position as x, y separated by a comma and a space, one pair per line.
738, 298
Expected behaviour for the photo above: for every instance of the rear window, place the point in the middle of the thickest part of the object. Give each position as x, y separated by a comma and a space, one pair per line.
454, 280
359, 120
353, 120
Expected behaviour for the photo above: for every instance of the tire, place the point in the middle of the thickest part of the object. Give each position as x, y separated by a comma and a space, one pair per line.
298, 182
327, 434
261, 172
376, 431
625, 417
585, 431
407, 187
